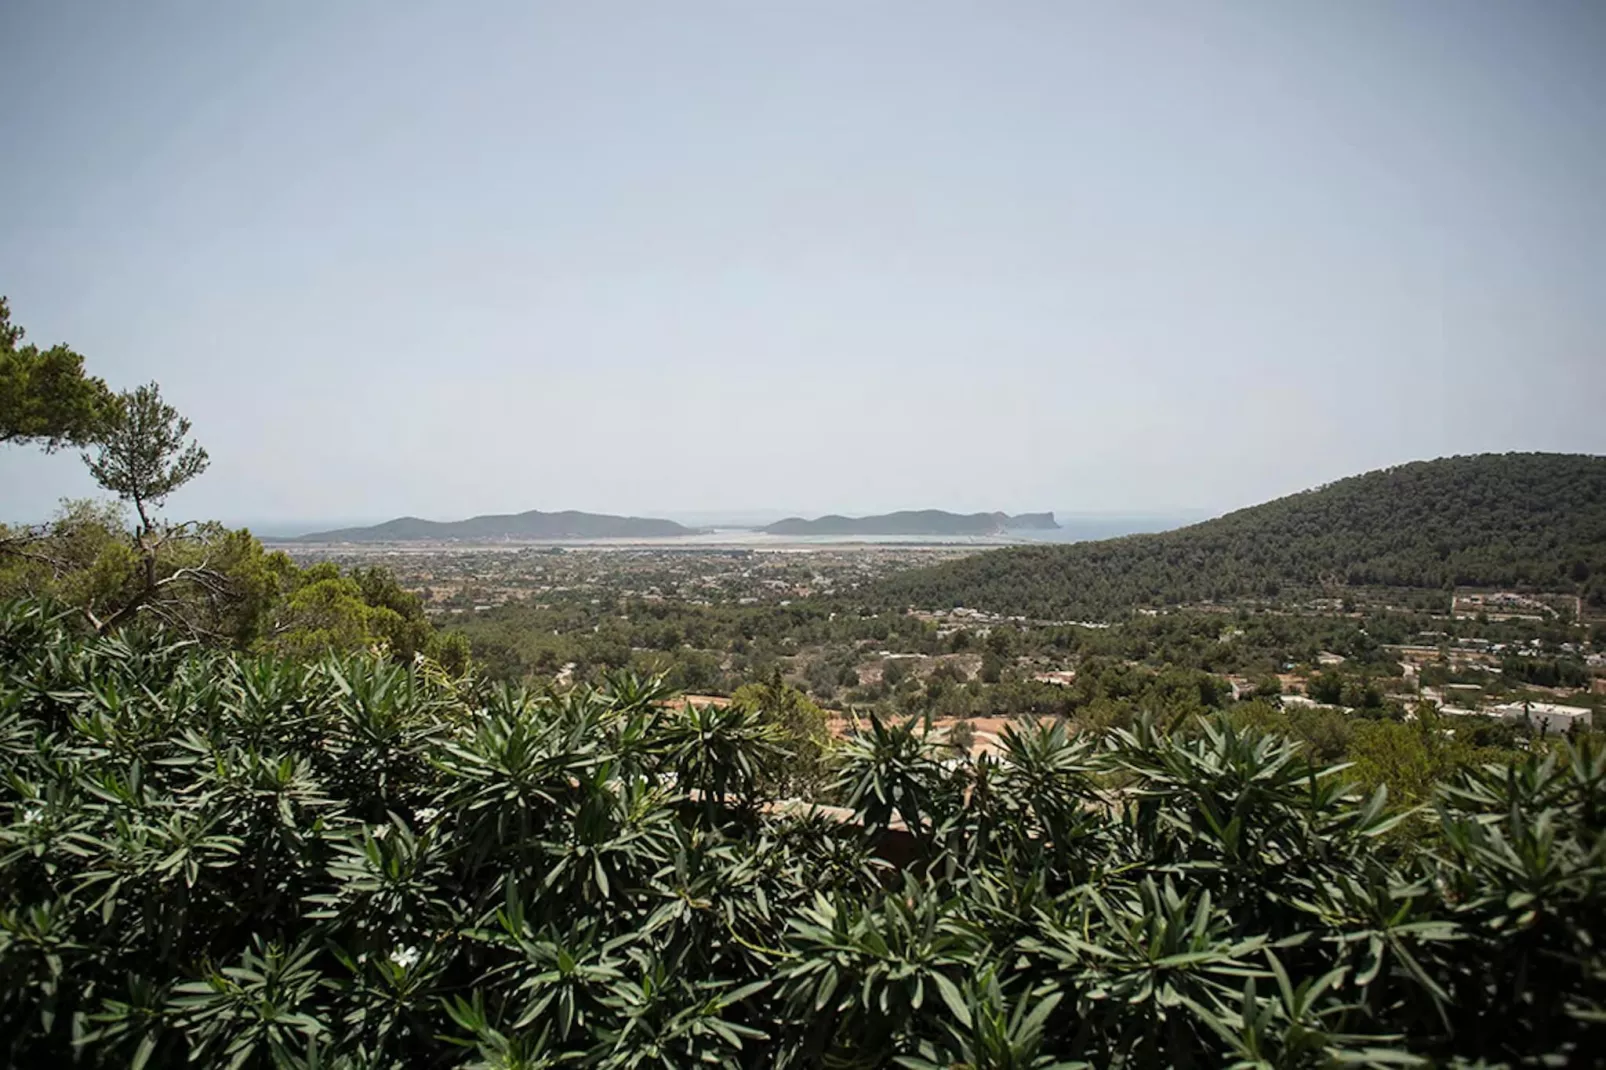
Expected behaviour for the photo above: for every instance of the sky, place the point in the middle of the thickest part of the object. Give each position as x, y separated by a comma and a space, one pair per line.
445, 259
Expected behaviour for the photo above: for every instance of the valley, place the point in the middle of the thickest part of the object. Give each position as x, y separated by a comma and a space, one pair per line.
934, 629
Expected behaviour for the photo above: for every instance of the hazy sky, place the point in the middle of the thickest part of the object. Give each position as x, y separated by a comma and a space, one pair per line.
444, 259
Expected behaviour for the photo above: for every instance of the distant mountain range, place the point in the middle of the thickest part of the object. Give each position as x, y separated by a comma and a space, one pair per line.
915, 522
536, 525
531, 525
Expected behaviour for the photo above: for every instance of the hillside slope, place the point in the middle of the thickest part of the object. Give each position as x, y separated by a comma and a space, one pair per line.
915, 522
531, 525
1527, 519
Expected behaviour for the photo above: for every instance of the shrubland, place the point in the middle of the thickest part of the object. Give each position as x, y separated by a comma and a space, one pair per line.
214, 585
258, 859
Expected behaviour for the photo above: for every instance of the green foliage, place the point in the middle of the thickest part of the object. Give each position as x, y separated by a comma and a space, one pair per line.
1413, 757
253, 861
45, 397
800, 730
1407, 758
895, 770
1533, 519
142, 455
1546, 672
218, 585
325, 611
203, 580
1326, 687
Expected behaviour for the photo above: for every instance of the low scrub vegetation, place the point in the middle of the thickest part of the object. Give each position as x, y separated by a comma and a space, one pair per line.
251, 860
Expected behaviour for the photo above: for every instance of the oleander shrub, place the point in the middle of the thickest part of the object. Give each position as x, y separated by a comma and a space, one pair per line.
217, 859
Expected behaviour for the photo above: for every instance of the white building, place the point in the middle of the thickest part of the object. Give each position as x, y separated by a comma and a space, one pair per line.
1545, 715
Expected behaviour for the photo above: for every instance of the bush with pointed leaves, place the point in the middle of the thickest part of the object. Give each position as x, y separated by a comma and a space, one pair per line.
246, 861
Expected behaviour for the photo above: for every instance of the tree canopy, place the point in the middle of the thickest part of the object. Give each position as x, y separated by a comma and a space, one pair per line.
46, 399
1529, 519
142, 454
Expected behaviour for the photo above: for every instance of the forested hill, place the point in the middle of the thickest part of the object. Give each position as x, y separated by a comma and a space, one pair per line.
915, 522
531, 525
1530, 519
